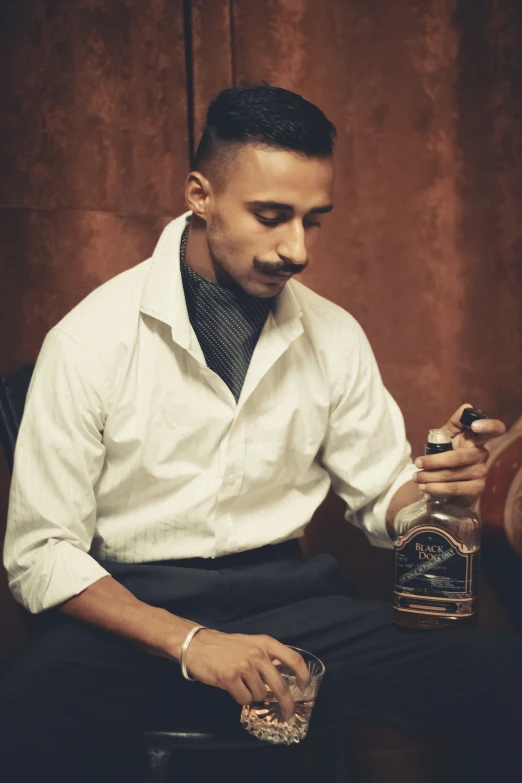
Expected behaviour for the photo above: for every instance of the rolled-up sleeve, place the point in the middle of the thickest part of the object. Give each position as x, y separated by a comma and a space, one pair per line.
58, 458
365, 450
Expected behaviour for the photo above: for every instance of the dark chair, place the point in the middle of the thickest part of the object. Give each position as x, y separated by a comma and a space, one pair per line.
501, 511
13, 391
160, 745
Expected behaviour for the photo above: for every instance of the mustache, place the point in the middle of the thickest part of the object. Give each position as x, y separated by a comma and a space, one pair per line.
283, 268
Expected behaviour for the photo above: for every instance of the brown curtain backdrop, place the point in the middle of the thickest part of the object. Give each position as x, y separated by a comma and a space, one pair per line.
104, 100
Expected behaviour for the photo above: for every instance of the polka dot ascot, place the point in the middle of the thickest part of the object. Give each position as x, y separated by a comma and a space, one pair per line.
227, 323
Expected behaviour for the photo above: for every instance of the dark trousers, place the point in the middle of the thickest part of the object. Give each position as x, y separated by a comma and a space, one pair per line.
76, 696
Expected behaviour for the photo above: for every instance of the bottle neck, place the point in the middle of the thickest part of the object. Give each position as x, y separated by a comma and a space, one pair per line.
441, 500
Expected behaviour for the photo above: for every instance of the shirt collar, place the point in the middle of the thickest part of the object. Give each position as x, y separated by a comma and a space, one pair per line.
163, 296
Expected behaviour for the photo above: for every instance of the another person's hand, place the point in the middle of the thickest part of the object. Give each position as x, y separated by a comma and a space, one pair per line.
463, 470
242, 665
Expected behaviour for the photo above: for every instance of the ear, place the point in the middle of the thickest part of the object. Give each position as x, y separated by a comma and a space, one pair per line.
197, 193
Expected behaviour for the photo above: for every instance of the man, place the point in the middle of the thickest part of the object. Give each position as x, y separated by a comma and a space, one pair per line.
184, 422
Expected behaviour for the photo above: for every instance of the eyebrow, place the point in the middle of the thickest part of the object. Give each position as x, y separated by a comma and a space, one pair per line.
289, 207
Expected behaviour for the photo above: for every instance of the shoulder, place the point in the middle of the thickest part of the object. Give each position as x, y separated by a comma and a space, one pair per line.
91, 346
109, 312
324, 320
337, 341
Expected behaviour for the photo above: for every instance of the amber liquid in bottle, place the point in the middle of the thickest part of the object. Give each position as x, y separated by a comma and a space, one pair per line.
437, 546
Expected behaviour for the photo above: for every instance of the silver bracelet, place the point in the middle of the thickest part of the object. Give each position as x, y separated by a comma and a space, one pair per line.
185, 647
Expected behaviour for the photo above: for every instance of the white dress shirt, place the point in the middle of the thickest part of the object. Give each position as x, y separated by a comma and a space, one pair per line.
131, 449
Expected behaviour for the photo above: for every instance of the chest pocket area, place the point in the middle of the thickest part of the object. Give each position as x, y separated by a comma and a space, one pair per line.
283, 442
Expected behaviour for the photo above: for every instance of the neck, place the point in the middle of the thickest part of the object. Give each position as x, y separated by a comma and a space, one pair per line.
456, 500
199, 257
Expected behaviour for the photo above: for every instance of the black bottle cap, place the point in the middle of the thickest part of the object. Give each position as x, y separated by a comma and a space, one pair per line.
437, 448
438, 441
469, 415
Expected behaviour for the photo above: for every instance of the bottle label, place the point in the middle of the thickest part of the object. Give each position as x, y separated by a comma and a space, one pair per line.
433, 575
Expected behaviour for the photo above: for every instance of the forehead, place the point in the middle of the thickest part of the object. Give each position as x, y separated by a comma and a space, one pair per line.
265, 174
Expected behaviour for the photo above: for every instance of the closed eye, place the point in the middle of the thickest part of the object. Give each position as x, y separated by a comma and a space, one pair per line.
277, 221
269, 221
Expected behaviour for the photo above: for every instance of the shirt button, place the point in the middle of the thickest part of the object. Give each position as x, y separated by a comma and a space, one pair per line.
232, 479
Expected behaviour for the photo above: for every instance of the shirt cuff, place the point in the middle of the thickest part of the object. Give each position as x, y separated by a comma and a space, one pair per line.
372, 518
60, 572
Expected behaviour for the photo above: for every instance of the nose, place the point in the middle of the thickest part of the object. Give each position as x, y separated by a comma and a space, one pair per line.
292, 247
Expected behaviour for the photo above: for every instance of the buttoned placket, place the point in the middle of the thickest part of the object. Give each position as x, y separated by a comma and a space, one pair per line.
230, 459
272, 343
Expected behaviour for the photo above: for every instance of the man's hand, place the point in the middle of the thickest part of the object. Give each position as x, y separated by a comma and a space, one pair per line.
458, 472
243, 666
463, 470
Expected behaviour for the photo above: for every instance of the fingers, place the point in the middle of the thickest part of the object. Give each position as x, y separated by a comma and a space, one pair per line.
485, 428
466, 473
292, 659
244, 666
279, 688
453, 459
489, 428
240, 692
255, 685
460, 472
453, 424
260, 672
244, 683
467, 489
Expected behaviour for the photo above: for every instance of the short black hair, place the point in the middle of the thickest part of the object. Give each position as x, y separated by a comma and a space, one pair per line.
265, 116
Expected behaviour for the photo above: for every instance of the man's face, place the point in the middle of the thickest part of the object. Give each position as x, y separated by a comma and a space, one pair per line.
263, 221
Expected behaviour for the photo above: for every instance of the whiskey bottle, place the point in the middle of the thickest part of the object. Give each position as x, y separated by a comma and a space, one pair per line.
437, 545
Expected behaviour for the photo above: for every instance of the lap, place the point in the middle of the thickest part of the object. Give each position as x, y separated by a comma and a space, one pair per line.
378, 672
72, 675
